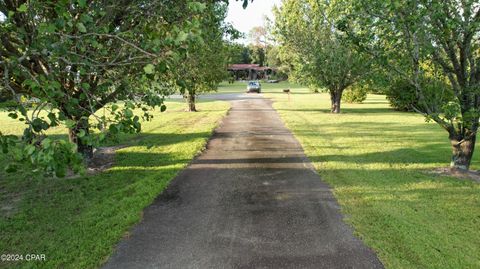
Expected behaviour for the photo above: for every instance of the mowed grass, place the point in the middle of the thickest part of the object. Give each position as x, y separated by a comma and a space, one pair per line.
76, 222
377, 162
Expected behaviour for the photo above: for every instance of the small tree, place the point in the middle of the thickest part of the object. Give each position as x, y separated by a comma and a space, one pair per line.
435, 47
205, 64
309, 37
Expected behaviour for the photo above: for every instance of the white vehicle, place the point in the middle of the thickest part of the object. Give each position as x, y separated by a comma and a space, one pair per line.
254, 86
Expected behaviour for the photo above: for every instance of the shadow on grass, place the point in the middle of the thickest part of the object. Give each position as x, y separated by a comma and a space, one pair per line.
76, 222
409, 217
431, 135
425, 155
380, 110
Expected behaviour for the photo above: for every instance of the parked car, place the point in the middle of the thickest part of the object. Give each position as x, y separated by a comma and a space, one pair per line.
254, 86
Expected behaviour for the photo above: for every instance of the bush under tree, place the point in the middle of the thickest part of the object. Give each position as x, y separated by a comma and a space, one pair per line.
355, 94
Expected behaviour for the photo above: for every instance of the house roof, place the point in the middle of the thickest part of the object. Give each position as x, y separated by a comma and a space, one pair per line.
257, 67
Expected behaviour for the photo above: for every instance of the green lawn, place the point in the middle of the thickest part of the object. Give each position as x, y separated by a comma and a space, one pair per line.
76, 222
377, 162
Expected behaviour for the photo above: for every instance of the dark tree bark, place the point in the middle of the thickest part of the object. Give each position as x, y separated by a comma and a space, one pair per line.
462, 151
191, 103
335, 98
73, 135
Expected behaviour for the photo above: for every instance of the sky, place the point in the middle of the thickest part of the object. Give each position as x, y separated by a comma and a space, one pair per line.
245, 19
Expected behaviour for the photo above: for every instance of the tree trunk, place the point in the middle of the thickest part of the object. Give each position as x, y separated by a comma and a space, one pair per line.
191, 103
73, 135
462, 151
335, 98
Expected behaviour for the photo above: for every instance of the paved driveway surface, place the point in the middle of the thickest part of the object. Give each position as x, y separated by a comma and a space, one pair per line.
251, 200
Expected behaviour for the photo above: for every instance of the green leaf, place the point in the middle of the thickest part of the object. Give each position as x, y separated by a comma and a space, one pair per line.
46, 143
53, 119
81, 27
82, 3
86, 86
113, 129
149, 69
128, 113
163, 67
163, 108
182, 36
22, 8
197, 6
70, 123
39, 125
47, 28
81, 133
29, 150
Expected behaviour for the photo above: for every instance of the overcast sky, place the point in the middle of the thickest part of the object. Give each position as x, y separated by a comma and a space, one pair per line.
245, 19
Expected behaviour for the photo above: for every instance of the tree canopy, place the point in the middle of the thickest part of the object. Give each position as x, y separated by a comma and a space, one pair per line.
318, 54
205, 63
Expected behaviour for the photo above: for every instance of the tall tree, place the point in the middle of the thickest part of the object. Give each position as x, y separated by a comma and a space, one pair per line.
260, 41
258, 36
258, 44
257, 55
238, 53
434, 46
308, 35
78, 56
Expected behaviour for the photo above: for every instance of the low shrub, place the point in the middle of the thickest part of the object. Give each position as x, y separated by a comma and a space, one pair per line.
355, 94
436, 93
401, 95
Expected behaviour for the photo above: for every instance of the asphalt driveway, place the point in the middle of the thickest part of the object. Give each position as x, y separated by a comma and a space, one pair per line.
251, 200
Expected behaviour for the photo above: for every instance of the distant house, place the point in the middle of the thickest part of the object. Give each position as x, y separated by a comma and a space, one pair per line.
250, 71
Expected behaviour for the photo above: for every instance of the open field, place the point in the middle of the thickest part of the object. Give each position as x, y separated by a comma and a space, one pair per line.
377, 162
76, 222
